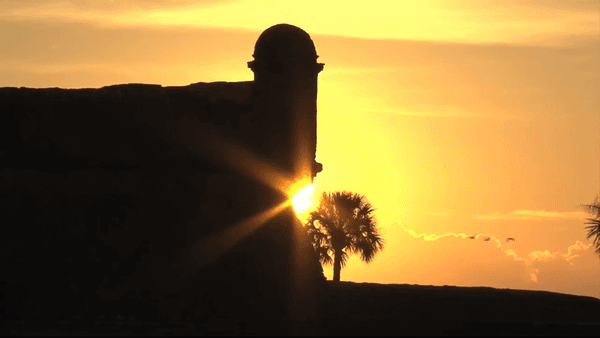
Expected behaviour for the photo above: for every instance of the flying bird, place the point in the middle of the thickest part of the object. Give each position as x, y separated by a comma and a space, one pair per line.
487, 239
473, 237
510, 239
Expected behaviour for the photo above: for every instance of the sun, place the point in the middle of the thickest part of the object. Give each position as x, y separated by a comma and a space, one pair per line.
302, 199
301, 196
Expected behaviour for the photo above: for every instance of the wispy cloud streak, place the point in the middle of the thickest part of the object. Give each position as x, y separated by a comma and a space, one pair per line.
432, 238
400, 20
529, 261
533, 215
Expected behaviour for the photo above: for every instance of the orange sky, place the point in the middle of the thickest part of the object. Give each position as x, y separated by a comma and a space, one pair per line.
449, 117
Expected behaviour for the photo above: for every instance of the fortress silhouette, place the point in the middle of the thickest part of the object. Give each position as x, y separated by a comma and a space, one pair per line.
128, 199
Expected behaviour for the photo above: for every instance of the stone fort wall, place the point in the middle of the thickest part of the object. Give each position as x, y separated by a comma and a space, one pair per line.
110, 197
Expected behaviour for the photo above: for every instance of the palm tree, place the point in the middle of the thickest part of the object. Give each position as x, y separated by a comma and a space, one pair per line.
343, 224
594, 227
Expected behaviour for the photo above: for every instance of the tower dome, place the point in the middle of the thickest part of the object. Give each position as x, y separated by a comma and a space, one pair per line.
283, 44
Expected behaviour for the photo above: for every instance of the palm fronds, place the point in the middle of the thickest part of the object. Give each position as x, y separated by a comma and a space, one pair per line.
343, 224
594, 227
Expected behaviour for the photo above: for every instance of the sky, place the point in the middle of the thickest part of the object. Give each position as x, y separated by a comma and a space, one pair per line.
453, 118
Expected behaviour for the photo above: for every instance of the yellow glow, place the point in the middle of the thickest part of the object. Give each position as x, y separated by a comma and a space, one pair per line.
302, 198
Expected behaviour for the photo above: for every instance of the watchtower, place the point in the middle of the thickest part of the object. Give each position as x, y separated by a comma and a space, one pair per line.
285, 82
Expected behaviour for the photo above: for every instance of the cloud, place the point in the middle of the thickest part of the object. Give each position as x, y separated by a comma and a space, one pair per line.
432, 238
533, 275
578, 6
108, 5
530, 261
435, 112
546, 256
533, 215
111, 13
431, 20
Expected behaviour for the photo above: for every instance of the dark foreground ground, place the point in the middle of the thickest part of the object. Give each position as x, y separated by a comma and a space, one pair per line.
380, 309
358, 309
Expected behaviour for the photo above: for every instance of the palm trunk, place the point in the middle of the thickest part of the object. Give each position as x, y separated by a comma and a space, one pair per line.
337, 266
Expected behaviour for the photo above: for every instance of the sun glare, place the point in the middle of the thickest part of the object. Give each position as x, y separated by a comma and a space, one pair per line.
302, 199
301, 196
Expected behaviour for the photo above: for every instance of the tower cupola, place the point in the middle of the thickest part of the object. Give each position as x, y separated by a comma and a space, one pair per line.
282, 46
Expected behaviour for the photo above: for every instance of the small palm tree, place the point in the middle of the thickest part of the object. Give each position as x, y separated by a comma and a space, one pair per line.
594, 227
343, 224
